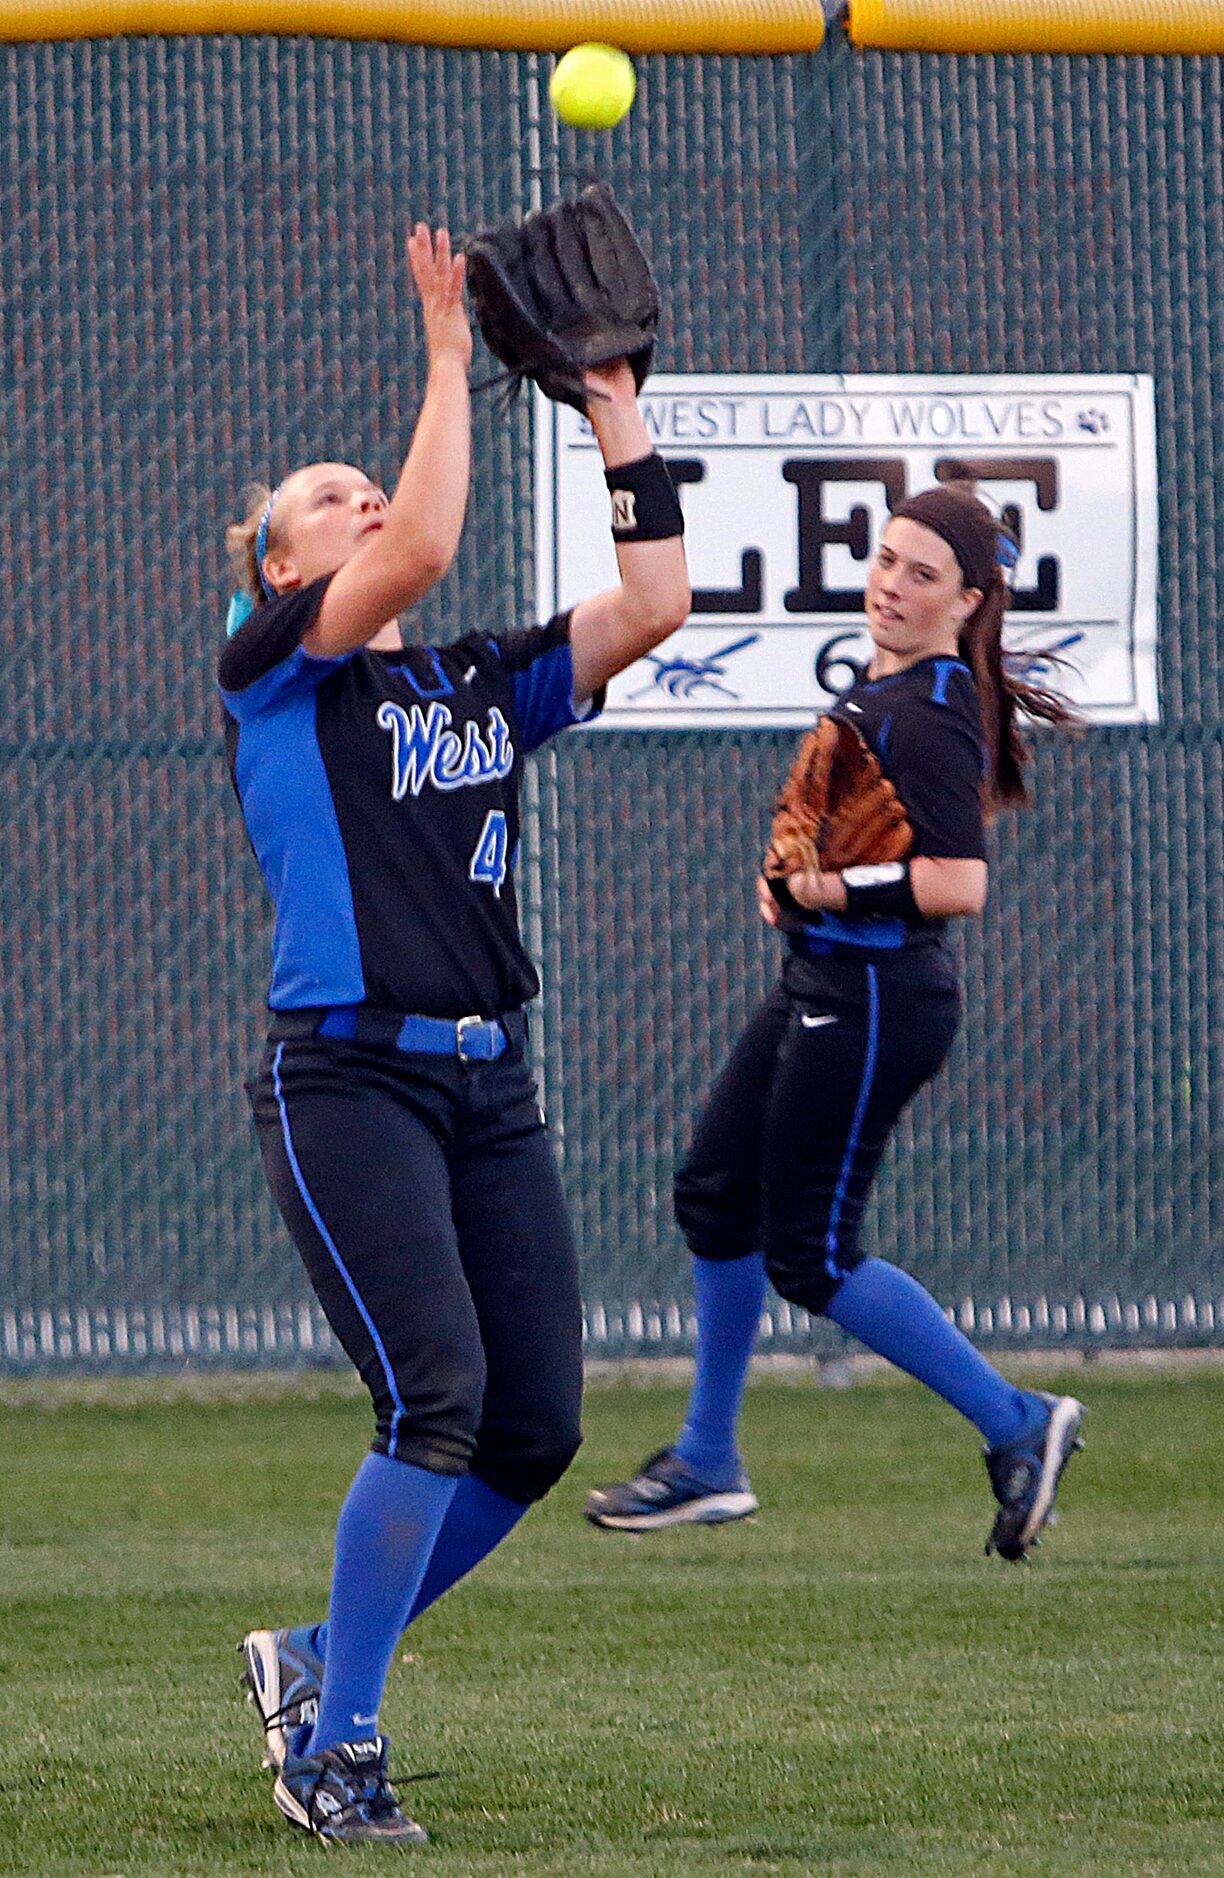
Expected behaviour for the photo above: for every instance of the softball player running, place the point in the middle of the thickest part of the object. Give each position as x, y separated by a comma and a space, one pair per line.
792, 1135
395, 1107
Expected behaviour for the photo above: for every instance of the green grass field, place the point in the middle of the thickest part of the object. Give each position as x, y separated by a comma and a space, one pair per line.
842, 1686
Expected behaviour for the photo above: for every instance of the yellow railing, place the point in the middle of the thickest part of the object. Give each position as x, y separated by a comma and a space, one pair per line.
1040, 25
643, 26
516, 25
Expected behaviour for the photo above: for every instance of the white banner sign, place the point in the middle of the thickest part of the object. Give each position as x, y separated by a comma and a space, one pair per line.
787, 484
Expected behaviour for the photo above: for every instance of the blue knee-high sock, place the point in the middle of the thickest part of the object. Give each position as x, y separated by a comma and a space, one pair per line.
386, 1531
477, 1519
891, 1313
730, 1293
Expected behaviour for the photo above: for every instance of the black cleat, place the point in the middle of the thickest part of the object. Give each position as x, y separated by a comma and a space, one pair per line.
1025, 1474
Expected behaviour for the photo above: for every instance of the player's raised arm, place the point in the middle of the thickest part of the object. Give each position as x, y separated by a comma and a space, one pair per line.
387, 555
566, 298
610, 630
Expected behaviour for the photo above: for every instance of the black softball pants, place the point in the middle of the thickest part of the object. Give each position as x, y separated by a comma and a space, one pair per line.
792, 1134
424, 1198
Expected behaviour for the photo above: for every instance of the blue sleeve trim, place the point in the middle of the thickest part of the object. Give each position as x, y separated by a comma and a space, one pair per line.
944, 669
515, 651
544, 698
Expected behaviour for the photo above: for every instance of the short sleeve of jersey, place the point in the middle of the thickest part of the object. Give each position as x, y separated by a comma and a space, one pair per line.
265, 660
540, 664
936, 762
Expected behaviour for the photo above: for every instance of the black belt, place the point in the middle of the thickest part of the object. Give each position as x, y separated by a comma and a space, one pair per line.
470, 1039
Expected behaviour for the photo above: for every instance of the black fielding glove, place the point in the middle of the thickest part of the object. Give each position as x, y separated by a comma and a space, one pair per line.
565, 289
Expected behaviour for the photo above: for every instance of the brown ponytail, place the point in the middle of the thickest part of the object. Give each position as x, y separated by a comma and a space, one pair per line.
1001, 696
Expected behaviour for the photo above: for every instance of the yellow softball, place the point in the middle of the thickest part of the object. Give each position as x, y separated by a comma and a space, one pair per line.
593, 86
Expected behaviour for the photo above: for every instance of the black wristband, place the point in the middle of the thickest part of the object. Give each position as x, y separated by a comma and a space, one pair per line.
780, 889
645, 506
884, 891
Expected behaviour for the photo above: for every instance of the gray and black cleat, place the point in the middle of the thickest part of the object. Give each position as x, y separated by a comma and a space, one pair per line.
1025, 1474
344, 1795
665, 1493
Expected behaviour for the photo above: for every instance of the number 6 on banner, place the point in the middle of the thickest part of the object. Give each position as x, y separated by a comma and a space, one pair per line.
489, 857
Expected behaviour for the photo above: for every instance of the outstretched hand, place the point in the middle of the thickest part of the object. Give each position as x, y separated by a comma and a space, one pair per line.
439, 276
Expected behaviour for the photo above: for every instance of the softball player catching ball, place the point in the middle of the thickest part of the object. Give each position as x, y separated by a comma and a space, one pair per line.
792, 1135
395, 1107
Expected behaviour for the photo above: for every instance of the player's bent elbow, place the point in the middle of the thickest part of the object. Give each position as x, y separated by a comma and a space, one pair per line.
431, 565
354, 609
665, 611
968, 908
423, 561
681, 606
643, 621
977, 887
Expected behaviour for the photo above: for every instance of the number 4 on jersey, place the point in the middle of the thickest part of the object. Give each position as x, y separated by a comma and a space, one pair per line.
489, 858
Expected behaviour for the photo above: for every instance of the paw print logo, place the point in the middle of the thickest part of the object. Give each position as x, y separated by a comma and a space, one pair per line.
1095, 422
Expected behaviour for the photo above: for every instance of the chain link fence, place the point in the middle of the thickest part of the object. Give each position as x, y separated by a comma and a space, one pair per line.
202, 280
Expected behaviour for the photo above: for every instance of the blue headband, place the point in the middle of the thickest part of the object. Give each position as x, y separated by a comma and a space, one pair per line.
261, 544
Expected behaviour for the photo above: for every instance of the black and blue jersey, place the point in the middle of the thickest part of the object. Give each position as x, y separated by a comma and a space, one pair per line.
380, 791
925, 726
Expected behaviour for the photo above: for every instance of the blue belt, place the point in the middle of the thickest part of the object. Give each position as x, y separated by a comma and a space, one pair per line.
470, 1039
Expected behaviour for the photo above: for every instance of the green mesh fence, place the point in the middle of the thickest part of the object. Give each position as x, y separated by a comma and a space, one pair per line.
200, 279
